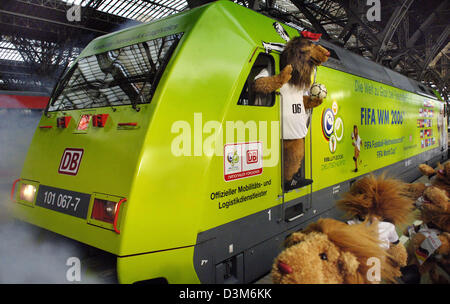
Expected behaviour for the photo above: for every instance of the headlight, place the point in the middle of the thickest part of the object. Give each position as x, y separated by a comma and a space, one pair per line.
27, 192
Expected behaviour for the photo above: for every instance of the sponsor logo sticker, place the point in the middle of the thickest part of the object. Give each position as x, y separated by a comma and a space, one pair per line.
242, 160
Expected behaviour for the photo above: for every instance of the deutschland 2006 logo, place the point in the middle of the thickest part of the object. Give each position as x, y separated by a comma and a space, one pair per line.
332, 126
327, 123
233, 158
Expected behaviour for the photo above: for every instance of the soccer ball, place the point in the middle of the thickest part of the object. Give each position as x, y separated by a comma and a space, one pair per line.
318, 90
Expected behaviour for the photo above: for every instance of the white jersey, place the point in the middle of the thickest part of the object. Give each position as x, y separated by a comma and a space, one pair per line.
295, 117
386, 232
357, 141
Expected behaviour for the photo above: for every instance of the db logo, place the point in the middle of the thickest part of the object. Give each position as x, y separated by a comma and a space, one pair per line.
252, 156
70, 161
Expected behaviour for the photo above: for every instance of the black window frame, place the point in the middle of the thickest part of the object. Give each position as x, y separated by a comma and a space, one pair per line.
59, 88
247, 88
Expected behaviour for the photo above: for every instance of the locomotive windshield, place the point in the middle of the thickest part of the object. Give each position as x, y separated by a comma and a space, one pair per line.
125, 76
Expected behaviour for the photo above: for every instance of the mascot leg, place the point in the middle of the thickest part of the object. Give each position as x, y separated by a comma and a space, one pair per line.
294, 152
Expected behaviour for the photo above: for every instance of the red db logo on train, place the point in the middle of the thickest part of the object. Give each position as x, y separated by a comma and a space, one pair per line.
252, 156
70, 161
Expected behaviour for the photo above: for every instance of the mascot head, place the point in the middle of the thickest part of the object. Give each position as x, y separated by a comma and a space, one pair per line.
331, 252
381, 198
304, 56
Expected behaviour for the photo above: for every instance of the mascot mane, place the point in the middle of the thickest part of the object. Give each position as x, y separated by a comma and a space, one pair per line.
383, 198
298, 53
359, 240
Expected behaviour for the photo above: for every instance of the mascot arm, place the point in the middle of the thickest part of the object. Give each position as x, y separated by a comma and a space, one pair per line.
426, 170
440, 201
415, 190
310, 102
269, 84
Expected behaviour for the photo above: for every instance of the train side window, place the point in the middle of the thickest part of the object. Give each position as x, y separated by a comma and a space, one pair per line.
422, 88
333, 54
248, 97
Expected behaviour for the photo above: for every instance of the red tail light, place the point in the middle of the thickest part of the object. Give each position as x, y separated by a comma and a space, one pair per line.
63, 122
104, 210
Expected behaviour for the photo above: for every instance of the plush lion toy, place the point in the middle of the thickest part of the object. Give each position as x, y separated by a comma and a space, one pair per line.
440, 179
435, 209
298, 61
429, 246
381, 201
332, 252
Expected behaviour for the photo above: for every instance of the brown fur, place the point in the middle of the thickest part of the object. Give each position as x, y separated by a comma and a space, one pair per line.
297, 63
266, 85
430, 266
435, 212
415, 190
399, 252
310, 102
294, 151
304, 56
436, 208
440, 180
426, 170
348, 247
378, 197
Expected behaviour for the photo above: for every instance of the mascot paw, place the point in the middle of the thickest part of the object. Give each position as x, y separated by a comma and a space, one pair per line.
426, 170
415, 190
399, 254
438, 198
311, 102
286, 74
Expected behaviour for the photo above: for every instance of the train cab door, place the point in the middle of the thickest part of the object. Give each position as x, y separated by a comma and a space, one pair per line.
263, 111
293, 204
297, 202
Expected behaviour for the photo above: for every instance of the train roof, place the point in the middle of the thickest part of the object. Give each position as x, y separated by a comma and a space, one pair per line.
346, 61
252, 25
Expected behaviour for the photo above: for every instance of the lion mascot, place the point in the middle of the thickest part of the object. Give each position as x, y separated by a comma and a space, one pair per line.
332, 252
298, 61
439, 178
429, 246
384, 202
